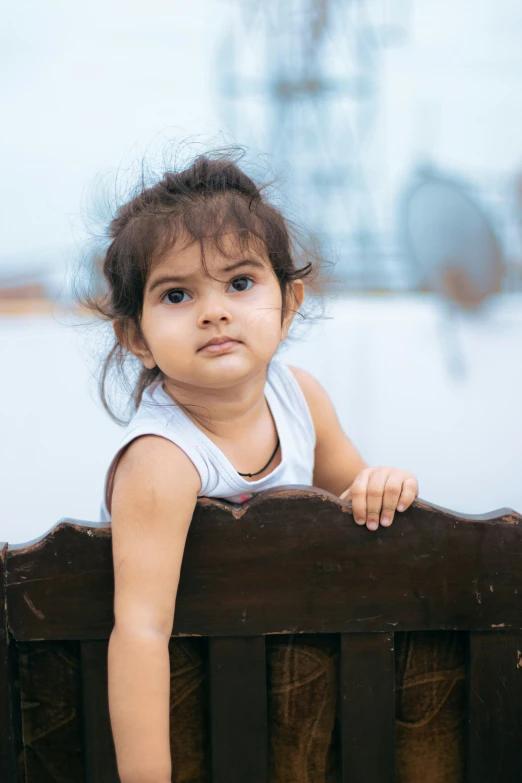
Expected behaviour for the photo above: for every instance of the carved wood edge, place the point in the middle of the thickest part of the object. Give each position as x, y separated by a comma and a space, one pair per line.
506, 516
290, 560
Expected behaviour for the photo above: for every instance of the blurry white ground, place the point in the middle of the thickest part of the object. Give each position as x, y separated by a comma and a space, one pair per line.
381, 359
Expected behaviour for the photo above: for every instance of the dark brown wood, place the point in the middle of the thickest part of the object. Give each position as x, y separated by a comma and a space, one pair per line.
290, 561
238, 710
495, 707
100, 756
431, 570
367, 700
61, 586
11, 745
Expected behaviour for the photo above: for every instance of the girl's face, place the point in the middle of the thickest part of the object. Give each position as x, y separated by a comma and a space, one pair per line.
184, 309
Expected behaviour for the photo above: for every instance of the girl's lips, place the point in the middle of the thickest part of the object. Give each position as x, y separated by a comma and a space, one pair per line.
217, 348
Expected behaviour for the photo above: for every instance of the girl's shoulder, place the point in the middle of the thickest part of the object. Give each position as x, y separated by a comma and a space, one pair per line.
319, 403
310, 386
297, 385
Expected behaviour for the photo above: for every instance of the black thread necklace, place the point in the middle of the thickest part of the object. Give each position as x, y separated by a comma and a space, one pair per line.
251, 475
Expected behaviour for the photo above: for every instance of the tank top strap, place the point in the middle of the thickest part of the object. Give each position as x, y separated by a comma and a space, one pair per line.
159, 415
283, 389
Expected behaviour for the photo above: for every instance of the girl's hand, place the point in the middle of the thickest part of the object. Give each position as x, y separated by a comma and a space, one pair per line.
377, 492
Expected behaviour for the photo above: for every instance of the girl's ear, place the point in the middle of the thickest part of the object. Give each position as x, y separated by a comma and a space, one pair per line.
130, 337
295, 298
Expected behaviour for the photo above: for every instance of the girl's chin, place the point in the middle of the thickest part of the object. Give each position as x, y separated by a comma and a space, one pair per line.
230, 366
220, 371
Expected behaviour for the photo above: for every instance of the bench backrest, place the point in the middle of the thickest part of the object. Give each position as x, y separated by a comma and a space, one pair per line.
291, 561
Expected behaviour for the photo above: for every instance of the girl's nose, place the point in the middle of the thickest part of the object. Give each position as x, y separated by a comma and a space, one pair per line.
213, 311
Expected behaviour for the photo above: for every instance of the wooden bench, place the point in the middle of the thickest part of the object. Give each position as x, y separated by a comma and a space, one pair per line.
292, 561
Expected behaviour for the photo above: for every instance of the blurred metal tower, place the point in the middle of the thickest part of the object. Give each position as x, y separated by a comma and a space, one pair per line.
300, 81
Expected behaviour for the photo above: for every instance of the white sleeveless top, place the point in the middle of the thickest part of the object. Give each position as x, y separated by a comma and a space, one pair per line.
158, 414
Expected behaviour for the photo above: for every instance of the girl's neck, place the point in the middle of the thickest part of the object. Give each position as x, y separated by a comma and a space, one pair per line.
222, 412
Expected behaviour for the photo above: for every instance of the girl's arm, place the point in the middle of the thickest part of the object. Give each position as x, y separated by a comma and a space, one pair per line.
154, 495
375, 493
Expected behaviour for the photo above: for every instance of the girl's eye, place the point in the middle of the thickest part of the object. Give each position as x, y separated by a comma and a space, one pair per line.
242, 283
175, 296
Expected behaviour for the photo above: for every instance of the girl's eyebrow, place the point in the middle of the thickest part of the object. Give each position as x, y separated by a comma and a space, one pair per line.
183, 278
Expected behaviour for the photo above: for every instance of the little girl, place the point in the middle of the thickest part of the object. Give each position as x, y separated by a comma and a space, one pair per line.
202, 287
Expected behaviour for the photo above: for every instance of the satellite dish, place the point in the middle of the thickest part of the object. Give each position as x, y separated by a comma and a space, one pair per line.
450, 240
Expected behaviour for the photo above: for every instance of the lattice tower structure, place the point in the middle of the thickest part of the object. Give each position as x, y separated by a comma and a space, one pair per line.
301, 81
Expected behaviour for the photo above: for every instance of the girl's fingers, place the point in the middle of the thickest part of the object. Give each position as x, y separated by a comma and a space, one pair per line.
408, 494
377, 493
358, 496
392, 493
374, 497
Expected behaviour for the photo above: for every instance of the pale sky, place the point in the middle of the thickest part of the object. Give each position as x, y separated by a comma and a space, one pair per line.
86, 88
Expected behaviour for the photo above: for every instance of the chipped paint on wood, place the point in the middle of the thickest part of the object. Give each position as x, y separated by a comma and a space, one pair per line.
318, 563
33, 608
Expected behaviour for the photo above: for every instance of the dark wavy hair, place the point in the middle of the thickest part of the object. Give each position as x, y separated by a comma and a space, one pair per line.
200, 203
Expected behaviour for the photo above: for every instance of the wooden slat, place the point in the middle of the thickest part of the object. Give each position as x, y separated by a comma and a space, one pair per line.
431, 570
11, 745
495, 707
238, 710
367, 698
100, 756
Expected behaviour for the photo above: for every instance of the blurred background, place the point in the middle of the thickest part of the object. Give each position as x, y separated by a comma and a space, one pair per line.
396, 129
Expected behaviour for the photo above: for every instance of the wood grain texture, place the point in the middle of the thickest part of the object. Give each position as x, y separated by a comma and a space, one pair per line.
495, 707
431, 570
100, 755
238, 708
367, 699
